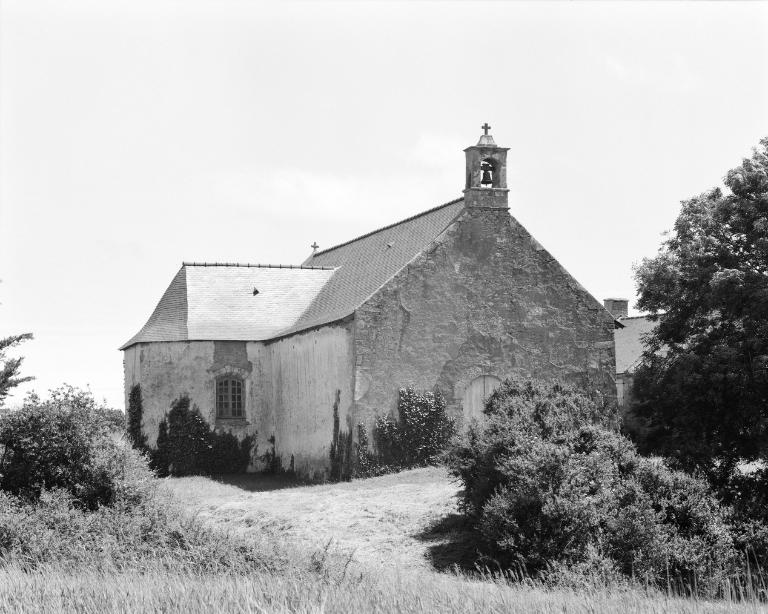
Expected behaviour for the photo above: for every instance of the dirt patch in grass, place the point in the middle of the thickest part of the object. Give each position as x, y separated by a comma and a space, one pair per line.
388, 520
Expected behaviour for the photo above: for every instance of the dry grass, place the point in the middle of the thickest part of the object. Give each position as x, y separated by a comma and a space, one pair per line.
55, 591
378, 519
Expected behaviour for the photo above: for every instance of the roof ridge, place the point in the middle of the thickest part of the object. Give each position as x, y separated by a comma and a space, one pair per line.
633, 317
373, 232
258, 266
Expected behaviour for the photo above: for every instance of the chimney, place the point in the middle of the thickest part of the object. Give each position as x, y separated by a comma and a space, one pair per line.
617, 306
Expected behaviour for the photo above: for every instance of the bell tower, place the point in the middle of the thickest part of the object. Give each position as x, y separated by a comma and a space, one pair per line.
486, 173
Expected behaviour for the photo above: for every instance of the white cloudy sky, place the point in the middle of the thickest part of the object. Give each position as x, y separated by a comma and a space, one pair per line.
137, 134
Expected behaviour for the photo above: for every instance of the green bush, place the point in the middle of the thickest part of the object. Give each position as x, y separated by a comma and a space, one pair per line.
550, 487
420, 434
65, 442
186, 445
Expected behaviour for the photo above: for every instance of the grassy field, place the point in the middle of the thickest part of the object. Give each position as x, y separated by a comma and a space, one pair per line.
364, 546
381, 521
412, 592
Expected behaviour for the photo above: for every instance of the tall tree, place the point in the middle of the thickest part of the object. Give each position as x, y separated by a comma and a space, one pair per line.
10, 367
702, 389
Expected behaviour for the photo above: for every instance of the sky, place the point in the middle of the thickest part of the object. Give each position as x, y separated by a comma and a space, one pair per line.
136, 135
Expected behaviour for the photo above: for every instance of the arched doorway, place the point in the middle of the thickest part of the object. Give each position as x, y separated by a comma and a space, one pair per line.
475, 394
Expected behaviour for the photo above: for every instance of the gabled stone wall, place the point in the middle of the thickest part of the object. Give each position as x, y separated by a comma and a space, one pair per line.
484, 299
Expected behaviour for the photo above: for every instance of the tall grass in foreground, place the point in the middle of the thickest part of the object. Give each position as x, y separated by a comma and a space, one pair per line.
56, 590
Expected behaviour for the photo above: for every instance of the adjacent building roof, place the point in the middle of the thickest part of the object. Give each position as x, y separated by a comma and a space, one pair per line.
212, 301
629, 341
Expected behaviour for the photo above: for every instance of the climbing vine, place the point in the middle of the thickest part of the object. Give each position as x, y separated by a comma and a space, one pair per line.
416, 437
342, 465
135, 415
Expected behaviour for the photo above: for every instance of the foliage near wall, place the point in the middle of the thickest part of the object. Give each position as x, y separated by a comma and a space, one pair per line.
134, 418
342, 459
417, 437
272, 463
420, 433
186, 445
551, 488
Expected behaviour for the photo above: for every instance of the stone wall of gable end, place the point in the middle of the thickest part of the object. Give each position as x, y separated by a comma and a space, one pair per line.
484, 299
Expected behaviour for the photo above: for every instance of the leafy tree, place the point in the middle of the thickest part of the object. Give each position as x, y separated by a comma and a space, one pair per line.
702, 390
10, 367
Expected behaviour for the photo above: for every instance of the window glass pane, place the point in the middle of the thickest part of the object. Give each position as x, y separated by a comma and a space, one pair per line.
237, 398
222, 398
229, 398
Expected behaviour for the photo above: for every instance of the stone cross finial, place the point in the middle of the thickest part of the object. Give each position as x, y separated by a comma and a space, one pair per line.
485, 128
314, 246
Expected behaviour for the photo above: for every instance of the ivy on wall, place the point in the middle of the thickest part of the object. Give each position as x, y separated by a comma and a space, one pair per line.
420, 433
134, 417
417, 437
342, 465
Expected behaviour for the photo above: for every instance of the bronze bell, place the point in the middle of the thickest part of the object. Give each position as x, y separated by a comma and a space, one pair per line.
487, 179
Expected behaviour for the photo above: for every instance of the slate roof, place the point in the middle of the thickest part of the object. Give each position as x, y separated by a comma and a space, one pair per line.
366, 263
629, 341
216, 301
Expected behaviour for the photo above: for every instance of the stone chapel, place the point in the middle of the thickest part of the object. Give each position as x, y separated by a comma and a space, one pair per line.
457, 297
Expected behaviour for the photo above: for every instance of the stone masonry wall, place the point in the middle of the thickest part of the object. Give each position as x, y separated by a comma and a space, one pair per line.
290, 389
168, 370
484, 299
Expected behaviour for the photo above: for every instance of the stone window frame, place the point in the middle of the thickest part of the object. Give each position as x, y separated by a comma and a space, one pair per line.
230, 373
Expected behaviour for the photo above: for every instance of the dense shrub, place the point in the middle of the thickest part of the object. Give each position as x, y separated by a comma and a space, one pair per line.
420, 433
186, 445
549, 486
74, 494
65, 442
141, 528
